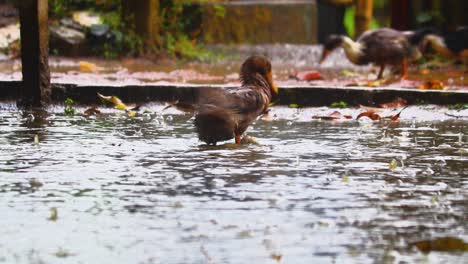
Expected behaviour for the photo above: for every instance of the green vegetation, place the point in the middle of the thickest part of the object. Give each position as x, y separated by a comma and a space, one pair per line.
179, 24
69, 110
460, 106
340, 104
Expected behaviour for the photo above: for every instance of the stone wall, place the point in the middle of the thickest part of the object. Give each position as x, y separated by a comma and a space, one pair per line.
259, 22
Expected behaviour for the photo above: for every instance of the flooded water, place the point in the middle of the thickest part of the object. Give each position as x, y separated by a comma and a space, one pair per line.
116, 189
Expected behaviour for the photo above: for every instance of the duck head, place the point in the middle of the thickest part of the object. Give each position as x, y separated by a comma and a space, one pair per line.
333, 42
256, 70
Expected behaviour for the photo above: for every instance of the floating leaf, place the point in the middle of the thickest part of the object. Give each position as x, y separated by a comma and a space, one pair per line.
53, 214
446, 244
276, 256
345, 179
432, 85
36, 139
393, 164
118, 104
370, 115
308, 76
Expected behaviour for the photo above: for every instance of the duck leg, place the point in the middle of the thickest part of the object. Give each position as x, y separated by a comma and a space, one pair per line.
238, 139
404, 69
382, 68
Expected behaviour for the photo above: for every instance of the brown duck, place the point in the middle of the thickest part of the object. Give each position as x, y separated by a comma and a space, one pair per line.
225, 114
382, 47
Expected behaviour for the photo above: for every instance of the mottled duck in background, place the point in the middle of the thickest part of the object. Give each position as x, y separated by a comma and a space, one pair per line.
382, 47
223, 114
453, 45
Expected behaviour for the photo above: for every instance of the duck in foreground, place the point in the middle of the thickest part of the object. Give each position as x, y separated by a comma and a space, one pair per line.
225, 114
382, 47
452, 45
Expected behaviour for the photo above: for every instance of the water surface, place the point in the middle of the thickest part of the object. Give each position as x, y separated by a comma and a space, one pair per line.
145, 190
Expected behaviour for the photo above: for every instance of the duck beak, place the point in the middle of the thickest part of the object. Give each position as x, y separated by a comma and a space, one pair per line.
273, 86
325, 54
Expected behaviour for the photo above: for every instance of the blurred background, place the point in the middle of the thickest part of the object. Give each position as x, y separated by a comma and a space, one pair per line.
184, 28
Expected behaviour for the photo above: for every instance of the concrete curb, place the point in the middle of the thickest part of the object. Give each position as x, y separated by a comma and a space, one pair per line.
302, 96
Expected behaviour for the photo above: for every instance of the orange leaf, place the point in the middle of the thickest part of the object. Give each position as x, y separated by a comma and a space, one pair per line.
370, 115
432, 85
309, 75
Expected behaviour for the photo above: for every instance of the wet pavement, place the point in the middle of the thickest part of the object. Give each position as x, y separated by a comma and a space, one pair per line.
117, 189
287, 60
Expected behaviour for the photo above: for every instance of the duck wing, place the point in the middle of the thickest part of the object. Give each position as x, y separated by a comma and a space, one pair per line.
385, 46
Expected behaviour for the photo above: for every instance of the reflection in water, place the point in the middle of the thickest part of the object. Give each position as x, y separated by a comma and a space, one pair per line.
145, 190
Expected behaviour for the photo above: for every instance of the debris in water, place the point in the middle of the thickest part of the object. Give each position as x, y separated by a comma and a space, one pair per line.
35, 183
397, 116
249, 140
53, 214
369, 114
62, 253
182, 106
36, 139
119, 105
393, 164
445, 244
92, 111
332, 116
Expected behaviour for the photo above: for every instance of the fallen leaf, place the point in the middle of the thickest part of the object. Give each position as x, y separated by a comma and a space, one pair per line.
398, 102
446, 244
432, 85
366, 83
118, 104
370, 115
308, 76
36, 139
88, 66
425, 71
276, 256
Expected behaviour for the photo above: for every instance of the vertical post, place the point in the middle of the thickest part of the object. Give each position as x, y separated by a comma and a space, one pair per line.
400, 14
143, 17
363, 16
35, 90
